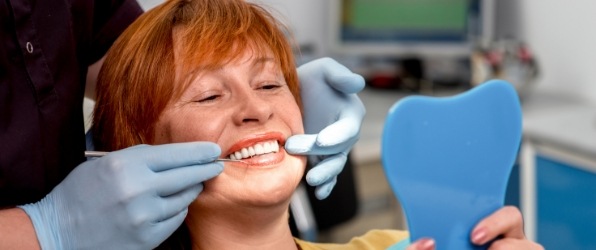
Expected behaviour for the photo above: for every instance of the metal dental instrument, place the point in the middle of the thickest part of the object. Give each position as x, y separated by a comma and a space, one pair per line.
103, 153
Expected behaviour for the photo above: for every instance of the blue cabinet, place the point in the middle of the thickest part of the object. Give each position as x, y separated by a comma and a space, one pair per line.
557, 181
565, 204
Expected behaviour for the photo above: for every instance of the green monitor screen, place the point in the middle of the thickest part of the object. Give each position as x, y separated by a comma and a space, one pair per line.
408, 26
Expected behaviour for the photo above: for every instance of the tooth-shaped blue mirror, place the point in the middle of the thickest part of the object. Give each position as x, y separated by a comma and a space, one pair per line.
448, 159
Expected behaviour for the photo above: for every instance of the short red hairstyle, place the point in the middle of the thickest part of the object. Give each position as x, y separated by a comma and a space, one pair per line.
138, 77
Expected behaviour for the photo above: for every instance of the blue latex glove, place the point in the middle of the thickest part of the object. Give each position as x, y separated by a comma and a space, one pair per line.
333, 114
129, 199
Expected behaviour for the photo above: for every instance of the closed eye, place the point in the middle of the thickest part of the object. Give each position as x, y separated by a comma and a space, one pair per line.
209, 98
270, 85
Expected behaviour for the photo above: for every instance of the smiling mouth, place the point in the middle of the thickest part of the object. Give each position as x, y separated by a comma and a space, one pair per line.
257, 149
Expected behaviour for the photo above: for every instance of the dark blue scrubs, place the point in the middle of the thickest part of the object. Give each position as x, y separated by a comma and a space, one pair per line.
45, 49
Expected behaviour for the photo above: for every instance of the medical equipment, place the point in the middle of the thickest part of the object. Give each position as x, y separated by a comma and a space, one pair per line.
409, 28
448, 159
103, 153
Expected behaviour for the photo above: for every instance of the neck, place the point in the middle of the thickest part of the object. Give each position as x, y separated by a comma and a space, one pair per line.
236, 227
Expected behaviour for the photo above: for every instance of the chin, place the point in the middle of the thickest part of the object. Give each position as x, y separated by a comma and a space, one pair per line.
267, 200
248, 187
274, 187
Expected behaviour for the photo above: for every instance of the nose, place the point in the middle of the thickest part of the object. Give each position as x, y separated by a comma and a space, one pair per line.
252, 108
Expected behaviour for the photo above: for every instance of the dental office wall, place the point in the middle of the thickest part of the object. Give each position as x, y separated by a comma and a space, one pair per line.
562, 37
307, 20
560, 33
558, 158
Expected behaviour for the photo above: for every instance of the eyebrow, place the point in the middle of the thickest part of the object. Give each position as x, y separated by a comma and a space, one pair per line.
255, 62
263, 60
191, 76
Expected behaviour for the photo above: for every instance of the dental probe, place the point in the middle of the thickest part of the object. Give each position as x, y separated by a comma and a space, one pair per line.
103, 153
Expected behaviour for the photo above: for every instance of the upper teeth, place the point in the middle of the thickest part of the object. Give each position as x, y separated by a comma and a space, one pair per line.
257, 149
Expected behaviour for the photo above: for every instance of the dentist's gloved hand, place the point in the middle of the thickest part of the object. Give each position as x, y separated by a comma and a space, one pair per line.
333, 114
129, 199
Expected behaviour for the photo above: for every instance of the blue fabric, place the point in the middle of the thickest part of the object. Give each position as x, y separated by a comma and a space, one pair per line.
402, 245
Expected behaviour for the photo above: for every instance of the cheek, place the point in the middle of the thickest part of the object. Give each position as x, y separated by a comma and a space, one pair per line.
188, 126
297, 125
290, 113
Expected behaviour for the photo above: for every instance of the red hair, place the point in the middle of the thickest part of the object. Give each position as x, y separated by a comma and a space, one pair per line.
138, 78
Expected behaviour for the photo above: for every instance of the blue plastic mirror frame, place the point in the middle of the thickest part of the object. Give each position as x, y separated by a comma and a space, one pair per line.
448, 159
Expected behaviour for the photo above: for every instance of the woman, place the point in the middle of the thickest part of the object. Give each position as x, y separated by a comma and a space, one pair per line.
219, 71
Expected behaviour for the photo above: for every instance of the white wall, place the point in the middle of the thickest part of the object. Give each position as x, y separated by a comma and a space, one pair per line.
563, 36
307, 19
148, 4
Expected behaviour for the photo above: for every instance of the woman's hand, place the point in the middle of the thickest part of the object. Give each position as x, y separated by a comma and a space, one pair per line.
508, 223
505, 227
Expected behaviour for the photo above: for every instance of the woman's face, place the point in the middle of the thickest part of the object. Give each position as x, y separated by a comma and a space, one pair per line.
247, 108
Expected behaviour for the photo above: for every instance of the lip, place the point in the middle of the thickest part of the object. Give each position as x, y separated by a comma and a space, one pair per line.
261, 160
265, 160
254, 139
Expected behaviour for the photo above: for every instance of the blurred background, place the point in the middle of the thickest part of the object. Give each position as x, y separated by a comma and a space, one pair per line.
545, 48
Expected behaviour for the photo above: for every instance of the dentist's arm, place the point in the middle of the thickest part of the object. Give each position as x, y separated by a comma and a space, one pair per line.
16, 230
333, 114
129, 199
